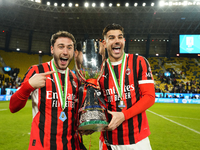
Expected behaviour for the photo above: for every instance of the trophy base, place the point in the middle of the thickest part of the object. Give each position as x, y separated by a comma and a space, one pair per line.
95, 125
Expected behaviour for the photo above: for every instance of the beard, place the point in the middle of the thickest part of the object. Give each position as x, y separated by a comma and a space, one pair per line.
115, 56
59, 66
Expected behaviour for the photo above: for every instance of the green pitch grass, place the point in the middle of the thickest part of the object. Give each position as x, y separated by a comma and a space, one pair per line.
173, 127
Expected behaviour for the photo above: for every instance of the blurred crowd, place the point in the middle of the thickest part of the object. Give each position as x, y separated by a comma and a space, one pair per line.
172, 85
8, 82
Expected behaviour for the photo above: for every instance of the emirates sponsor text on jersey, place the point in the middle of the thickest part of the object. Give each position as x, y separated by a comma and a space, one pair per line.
113, 96
54, 96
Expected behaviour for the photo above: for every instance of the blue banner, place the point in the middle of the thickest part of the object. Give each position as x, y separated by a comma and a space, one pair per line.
176, 100
9, 92
178, 95
186, 98
5, 97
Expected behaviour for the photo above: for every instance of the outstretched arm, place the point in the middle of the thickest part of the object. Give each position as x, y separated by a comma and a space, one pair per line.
19, 98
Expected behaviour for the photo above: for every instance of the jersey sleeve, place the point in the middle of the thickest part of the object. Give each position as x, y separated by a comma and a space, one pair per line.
144, 71
19, 98
146, 89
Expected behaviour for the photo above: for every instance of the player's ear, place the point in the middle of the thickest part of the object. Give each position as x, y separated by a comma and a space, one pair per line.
104, 43
52, 50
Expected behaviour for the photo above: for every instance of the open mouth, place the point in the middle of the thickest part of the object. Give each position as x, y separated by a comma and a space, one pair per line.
63, 60
116, 49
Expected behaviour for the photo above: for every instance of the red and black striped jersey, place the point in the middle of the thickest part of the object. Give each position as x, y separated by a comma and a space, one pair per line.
47, 129
137, 73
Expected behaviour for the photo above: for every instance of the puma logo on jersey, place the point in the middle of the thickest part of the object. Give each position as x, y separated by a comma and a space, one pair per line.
50, 79
148, 74
105, 76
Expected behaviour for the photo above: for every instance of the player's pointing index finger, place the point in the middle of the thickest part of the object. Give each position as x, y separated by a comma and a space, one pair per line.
48, 73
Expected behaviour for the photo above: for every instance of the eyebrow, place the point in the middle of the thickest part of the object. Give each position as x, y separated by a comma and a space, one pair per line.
114, 35
64, 44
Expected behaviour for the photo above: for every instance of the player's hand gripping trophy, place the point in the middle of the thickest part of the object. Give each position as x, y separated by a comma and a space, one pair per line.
89, 65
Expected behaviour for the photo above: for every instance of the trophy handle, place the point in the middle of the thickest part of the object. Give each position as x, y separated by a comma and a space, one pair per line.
80, 73
102, 69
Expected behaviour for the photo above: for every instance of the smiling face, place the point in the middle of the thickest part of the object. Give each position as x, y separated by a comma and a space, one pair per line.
114, 42
63, 52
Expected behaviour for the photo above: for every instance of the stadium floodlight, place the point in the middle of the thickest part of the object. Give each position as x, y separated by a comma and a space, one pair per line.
38, 1
48, 3
76, 5
176, 3
170, 3
135, 4
55, 4
86, 4
127, 4
166, 4
152, 4
118, 4
7, 69
70, 4
93, 4
144, 4
185, 3
161, 3
110, 4
102, 4
63, 4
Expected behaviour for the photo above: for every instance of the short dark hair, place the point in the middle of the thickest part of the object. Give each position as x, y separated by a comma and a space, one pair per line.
112, 27
79, 46
55, 36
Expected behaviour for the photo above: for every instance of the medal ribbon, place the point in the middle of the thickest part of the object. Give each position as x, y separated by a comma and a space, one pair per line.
58, 84
119, 87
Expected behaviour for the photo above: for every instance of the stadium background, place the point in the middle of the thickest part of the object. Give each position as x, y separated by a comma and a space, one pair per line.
151, 31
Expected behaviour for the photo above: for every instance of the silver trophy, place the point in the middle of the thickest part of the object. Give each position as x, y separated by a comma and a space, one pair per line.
89, 63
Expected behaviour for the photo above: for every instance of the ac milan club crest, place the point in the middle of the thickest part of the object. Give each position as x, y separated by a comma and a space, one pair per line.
128, 71
74, 83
